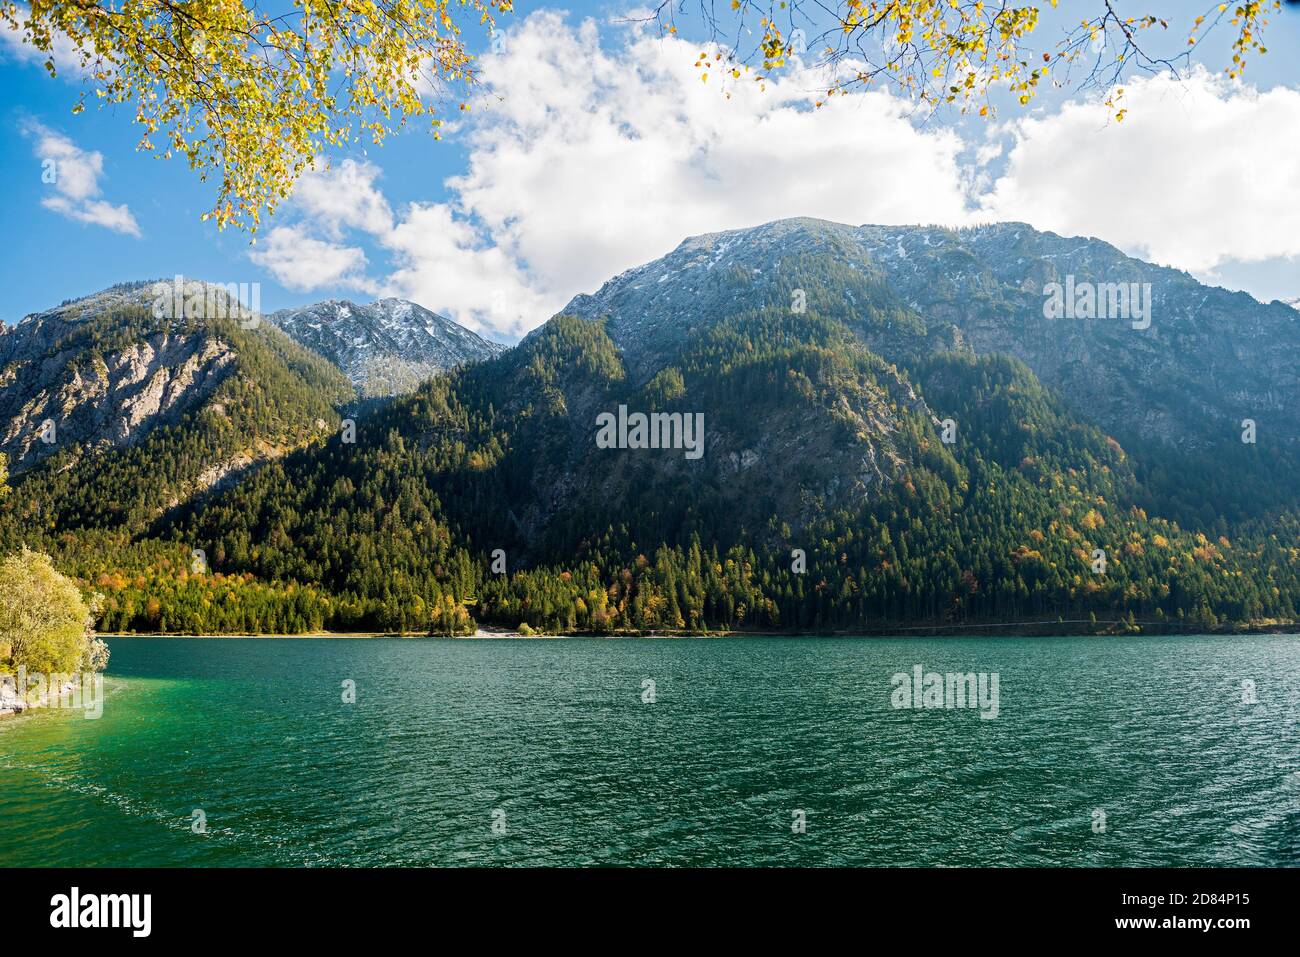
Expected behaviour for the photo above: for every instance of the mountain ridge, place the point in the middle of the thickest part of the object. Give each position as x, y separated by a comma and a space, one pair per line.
387, 346
1209, 361
113, 375
895, 434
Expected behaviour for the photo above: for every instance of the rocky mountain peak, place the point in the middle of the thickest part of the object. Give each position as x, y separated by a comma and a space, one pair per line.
1199, 360
387, 346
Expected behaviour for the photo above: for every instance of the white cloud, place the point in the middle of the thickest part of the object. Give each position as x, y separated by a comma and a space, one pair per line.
73, 174
308, 253
97, 212
344, 196
595, 161
303, 263
447, 266
66, 54
1200, 172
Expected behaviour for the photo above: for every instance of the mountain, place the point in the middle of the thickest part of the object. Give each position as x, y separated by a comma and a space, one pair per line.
1207, 358
898, 440
119, 393
855, 429
1180, 388
56, 369
386, 347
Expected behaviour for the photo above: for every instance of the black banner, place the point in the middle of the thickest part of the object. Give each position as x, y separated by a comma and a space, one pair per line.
340, 906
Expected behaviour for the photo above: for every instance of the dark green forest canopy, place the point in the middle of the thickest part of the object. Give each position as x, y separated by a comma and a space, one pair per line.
815, 443
895, 437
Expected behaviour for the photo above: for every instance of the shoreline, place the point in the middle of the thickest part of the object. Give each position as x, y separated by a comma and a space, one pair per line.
13, 706
1018, 629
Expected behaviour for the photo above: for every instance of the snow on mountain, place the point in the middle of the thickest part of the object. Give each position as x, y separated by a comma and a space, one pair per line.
386, 347
1201, 356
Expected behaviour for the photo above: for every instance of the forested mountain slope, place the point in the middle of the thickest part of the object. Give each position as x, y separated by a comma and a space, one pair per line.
863, 429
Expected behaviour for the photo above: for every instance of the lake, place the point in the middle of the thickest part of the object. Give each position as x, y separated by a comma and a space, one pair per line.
741, 751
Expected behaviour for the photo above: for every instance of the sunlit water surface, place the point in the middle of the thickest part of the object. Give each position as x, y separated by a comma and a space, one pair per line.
551, 741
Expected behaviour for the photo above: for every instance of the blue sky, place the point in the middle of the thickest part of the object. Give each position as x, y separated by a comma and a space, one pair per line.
607, 151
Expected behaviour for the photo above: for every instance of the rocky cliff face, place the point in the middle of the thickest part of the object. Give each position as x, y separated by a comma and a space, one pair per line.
101, 402
193, 398
60, 388
386, 347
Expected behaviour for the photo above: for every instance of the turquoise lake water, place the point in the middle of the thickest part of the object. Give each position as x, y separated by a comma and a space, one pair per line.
552, 742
